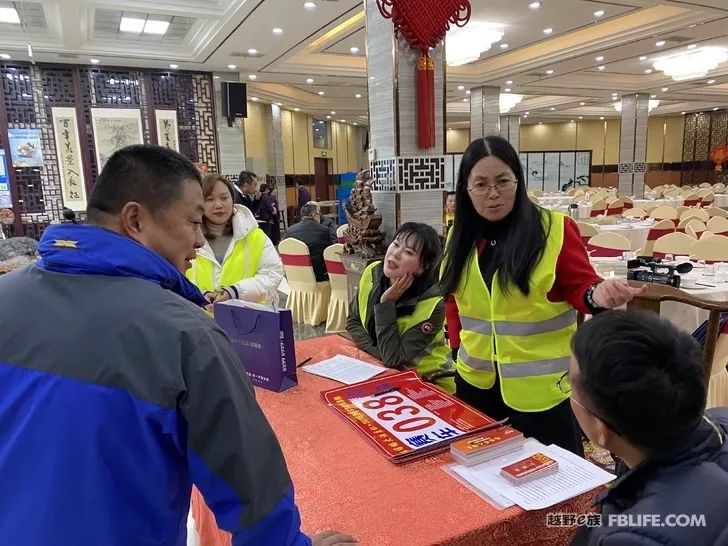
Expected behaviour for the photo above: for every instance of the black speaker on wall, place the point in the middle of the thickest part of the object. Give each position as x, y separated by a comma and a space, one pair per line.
234, 100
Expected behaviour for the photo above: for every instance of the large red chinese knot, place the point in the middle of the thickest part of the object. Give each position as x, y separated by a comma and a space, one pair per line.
719, 155
424, 23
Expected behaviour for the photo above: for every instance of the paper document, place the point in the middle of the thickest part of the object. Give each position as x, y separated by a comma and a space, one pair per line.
574, 477
345, 369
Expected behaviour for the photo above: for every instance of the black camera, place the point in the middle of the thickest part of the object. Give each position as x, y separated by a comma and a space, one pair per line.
649, 269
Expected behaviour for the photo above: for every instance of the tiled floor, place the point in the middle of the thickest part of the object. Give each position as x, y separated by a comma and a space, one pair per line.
302, 331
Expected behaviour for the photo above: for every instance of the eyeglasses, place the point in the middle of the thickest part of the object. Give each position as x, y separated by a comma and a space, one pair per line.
565, 387
502, 186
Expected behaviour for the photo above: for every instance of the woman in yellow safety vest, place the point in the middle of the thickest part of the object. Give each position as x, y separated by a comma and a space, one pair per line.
398, 315
514, 275
238, 260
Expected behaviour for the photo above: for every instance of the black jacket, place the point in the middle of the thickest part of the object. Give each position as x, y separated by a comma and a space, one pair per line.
691, 479
317, 237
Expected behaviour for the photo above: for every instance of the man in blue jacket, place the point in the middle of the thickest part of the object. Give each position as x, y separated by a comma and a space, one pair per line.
117, 392
638, 391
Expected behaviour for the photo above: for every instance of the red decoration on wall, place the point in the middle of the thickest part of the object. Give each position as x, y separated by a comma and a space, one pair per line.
719, 155
424, 24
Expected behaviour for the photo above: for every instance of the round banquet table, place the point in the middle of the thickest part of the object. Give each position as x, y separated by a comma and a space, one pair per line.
721, 200
636, 233
343, 483
555, 200
641, 203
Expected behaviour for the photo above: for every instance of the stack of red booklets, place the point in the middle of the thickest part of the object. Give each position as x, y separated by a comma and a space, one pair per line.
537, 465
404, 417
487, 445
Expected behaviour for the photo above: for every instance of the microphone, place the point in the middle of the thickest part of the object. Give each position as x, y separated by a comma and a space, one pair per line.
684, 268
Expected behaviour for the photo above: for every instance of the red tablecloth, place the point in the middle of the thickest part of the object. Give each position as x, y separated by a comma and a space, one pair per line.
343, 483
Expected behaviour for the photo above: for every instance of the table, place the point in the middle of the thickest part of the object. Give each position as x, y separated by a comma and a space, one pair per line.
584, 210
636, 233
641, 203
721, 200
555, 200
342, 482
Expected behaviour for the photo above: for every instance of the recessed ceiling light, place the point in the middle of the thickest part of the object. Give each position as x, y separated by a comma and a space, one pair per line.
232, 66
648, 71
465, 100
534, 5
93, 61
552, 108
643, 58
279, 104
355, 123
504, 46
665, 89
509, 82
322, 93
358, 95
9, 15
599, 13
549, 72
715, 108
507, 90
540, 122
601, 67
173, 66
321, 122
252, 51
653, 96
343, 121
277, 30
461, 87
156, 27
710, 82
309, 5
216, 77
252, 77
309, 80
692, 46
599, 59
254, 99
333, 113
131, 24
328, 117
468, 92
354, 49
581, 117
601, 117
660, 43
571, 121
582, 103
548, 30
372, 78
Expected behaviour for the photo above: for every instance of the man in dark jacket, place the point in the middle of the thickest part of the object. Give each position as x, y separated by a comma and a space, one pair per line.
638, 391
127, 393
247, 193
304, 196
316, 236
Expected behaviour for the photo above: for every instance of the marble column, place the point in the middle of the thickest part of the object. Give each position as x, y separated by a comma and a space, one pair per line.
485, 111
633, 144
275, 154
510, 127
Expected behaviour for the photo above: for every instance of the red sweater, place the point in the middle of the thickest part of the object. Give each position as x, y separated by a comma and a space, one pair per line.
574, 274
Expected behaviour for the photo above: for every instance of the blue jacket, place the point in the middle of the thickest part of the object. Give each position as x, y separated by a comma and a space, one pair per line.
117, 393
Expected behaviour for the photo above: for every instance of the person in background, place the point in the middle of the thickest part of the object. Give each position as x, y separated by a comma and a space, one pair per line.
304, 196
266, 211
398, 315
246, 191
514, 276
637, 389
275, 232
449, 216
237, 259
112, 417
316, 236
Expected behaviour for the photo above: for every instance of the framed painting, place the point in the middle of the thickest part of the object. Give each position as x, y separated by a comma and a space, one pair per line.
167, 134
115, 128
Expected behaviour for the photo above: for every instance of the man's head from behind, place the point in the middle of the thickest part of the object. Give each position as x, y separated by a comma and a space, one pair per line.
247, 182
152, 195
311, 210
637, 382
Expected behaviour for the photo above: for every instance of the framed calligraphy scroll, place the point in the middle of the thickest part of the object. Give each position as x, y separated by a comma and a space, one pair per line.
115, 128
167, 128
73, 182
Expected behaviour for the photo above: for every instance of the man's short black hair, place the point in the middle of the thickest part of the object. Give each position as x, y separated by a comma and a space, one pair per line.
451, 193
150, 175
247, 177
641, 374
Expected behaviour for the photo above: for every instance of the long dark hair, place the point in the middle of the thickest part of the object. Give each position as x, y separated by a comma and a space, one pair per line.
519, 247
425, 239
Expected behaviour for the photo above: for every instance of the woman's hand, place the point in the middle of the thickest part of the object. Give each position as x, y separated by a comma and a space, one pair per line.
613, 293
210, 297
221, 295
394, 292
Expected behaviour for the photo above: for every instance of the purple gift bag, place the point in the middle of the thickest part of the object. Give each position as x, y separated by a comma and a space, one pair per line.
263, 340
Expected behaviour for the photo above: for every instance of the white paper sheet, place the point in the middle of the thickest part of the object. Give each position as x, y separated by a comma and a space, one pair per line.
574, 477
345, 369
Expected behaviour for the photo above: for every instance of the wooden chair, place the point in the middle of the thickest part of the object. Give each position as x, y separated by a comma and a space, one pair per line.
677, 244
587, 231
659, 229
718, 225
717, 211
664, 212
700, 214
713, 249
308, 300
608, 245
339, 301
634, 212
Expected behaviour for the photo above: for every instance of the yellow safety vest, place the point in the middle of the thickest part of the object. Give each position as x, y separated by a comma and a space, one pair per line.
437, 355
528, 336
241, 263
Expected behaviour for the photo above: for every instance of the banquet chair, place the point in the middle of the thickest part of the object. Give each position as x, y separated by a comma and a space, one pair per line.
695, 228
718, 225
677, 244
587, 231
707, 200
664, 212
608, 245
700, 214
649, 206
599, 208
339, 302
712, 250
705, 185
627, 200
717, 211
308, 300
634, 213
706, 234
341, 233
719, 188
615, 208
536, 193
659, 229
691, 200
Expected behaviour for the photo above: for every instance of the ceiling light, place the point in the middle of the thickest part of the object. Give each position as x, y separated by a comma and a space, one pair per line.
540, 122
582, 103
665, 89
601, 117
279, 104
130, 24
509, 82
711, 82
355, 123
354, 49
333, 113
461, 87
548, 30
465, 100
507, 90
358, 95
716, 108
660, 43
643, 58
277, 30
254, 99
581, 117
309, 80
309, 5
601, 67
216, 77
322, 93
571, 121
599, 13
468, 92
232, 67
343, 121
683, 113
692, 46
252, 77
552, 108
651, 105
465, 44
695, 64
653, 96
173, 66
528, 113
534, 5
155, 27
504, 46
9, 15
599, 59
252, 51
296, 109
93, 61
321, 122
648, 71
328, 117
549, 72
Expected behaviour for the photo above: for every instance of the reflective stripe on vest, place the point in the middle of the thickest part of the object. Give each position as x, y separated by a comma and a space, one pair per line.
528, 337
241, 263
437, 355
